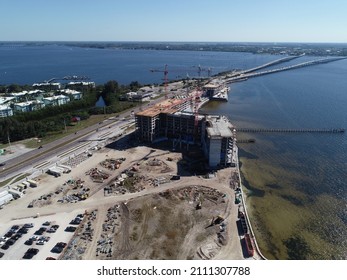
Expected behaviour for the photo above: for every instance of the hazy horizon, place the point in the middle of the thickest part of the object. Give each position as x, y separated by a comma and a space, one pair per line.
286, 21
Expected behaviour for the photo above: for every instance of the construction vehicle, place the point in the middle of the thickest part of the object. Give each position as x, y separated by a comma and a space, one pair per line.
199, 205
217, 220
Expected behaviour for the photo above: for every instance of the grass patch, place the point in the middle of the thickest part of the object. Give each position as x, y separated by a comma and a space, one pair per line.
70, 129
34, 143
21, 177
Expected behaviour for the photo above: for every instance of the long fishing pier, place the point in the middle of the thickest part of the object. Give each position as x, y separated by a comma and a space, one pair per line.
291, 130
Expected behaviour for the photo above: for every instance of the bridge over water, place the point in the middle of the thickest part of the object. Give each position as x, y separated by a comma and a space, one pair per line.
249, 73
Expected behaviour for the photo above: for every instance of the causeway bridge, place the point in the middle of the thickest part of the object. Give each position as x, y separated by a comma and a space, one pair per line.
271, 63
250, 72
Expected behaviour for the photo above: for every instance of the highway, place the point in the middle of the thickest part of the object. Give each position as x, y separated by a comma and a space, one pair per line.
25, 162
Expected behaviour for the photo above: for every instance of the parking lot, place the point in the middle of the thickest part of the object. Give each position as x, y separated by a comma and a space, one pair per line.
53, 231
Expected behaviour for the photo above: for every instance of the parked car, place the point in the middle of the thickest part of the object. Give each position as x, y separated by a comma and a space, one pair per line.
70, 229
14, 227
23, 230
5, 246
30, 253
29, 225
59, 247
29, 242
10, 242
76, 221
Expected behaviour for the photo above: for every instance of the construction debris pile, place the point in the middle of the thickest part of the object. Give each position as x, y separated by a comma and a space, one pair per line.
196, 195
112, 164
76, 160
81, 240
71, 191
127, 181
43, 200
74, 191
234, 181
97, 175
111, 223
157, 165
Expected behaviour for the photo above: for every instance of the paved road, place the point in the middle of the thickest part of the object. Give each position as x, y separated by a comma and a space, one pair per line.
34, 157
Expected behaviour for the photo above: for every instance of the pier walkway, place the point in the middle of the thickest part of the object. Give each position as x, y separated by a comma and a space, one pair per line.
292, 130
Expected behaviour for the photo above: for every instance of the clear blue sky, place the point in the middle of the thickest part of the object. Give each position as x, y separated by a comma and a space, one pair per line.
174, 20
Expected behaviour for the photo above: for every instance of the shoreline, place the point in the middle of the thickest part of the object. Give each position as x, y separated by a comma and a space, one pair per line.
242, 193
245, 208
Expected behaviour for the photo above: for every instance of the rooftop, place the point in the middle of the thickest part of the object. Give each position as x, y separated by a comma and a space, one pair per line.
56, 97
5, 99
27, 103
4, 107
219, 127
169, 106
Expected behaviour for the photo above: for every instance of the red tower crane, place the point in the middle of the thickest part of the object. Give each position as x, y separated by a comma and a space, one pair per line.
196, 97
166, 72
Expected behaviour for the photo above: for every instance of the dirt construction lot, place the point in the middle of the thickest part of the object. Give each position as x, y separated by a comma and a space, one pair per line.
133, 207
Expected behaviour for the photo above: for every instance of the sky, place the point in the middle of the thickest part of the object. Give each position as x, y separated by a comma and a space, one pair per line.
175, 20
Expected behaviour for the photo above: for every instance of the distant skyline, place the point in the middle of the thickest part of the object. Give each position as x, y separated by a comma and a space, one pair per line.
180, 20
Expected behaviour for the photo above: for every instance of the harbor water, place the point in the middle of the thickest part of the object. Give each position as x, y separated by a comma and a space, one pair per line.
296, 184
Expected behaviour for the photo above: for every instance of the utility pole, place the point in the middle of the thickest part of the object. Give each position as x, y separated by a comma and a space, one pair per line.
65, 125
9, 142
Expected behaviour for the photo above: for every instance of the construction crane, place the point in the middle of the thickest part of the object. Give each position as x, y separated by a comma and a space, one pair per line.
203, 69
196, 97
166, 72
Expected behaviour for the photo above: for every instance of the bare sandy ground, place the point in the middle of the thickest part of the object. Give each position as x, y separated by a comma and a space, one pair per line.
61, 213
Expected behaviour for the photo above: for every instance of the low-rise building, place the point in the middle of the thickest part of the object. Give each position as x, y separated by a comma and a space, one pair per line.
7, 100
84, 84
28, 106
5, 111
56, 100
76, 95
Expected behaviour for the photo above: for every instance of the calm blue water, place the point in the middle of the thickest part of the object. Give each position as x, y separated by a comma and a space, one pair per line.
297, 182
297, 190
31, 64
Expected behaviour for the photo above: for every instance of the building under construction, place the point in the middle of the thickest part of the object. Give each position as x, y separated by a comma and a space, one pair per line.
172, 120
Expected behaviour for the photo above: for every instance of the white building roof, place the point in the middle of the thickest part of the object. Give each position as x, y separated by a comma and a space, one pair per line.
4, 107
70, 91
22, 93
57, 97
5, 99
220, 127
27, 103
